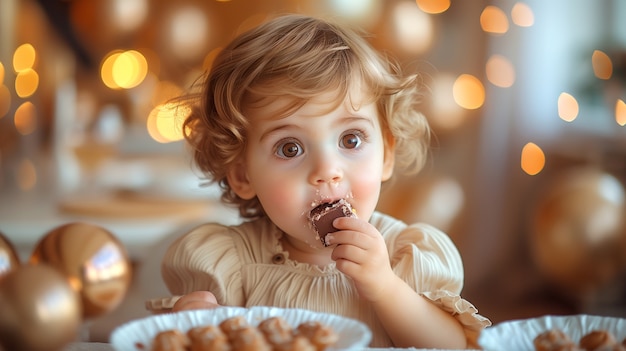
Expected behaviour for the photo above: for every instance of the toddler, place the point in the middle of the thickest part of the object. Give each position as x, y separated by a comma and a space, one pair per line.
296, 113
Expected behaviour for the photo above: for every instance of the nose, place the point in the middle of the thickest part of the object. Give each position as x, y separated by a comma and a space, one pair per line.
325, 169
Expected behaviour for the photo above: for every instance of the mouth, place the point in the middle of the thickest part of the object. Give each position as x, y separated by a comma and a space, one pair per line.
323, 215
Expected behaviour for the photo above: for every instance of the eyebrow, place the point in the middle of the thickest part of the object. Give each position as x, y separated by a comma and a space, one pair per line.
278, 128
343, 120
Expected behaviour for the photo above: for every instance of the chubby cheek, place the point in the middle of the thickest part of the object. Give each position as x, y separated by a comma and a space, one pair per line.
365, 187
280, 198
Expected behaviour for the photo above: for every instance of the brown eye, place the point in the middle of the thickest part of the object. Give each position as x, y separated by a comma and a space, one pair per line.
289, 149
350, 141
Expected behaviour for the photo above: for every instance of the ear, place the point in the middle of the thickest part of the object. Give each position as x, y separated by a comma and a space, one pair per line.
238, 181
389, 156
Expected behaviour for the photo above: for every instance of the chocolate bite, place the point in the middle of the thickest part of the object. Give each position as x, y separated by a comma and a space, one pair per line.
322, 217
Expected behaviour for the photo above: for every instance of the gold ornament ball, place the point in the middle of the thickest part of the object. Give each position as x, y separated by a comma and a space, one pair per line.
578, 239
8, 256
39, 309
93, 260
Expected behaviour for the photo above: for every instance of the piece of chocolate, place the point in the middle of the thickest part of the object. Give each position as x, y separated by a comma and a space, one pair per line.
322, 217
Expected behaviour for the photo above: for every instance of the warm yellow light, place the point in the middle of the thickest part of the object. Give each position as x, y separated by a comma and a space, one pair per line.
26, 175
24, 57
446, 113
5, 100
533, 159
468, 92
412, 29
500, 71
129, 69
602, 65
620, 112
165, 122
26, 83
128, 15
433, 6
522, 15
568, 107
1, 73
25, 118
187, 30
356, 11
123, 69
493, 20
106, 69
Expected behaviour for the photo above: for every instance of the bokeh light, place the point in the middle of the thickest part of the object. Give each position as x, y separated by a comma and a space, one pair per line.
128, 15
5, 94
602, 65
493, 20
364, 12
26, 175
533, 159
26, 83
500, 71
412, 28
620, 112
5, 100
106, 69
129, 69
444, 201
24, 57
468, 92
446, 113
567, 107
433, 6
522, 15
123, 69
26, 118
165, 122
188, 33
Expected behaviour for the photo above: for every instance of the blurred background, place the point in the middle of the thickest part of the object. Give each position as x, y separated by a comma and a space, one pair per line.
526, 100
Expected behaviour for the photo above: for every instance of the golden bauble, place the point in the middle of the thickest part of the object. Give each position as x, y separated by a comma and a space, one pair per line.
579, 231
39, 310
8, 256
95, 263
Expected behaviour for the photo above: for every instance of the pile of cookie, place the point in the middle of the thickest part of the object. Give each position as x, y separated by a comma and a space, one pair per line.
596, 340
236, 334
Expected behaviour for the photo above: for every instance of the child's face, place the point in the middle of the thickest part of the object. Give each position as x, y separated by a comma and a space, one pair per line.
313, 156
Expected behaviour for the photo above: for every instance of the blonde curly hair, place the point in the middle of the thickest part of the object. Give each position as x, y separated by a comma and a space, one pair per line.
299, 57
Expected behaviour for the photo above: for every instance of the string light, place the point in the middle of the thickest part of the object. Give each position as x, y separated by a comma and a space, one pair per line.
533, 159
602, 65
468, 92
567, 107
620, 112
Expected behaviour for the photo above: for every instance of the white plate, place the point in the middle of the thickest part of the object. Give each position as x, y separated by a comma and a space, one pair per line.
133, 335
518, 335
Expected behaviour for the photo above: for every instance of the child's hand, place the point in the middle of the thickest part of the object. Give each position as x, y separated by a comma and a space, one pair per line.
361, 254
195, 301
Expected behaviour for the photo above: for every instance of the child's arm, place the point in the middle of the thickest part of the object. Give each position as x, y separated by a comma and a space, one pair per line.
409, 319
196, 300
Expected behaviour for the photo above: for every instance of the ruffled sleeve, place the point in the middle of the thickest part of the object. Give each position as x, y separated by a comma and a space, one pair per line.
427, 259
191, 261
